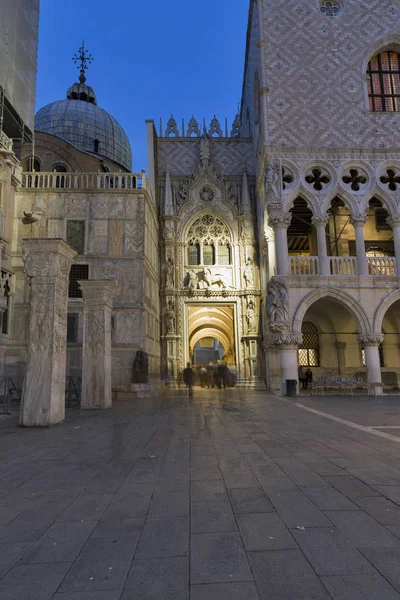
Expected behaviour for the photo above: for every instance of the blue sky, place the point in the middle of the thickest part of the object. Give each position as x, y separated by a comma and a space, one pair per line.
151, 59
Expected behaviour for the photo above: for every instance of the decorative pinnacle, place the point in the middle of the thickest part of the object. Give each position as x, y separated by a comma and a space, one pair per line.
85, 58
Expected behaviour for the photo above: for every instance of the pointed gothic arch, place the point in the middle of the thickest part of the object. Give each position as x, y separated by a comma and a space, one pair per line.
343, 298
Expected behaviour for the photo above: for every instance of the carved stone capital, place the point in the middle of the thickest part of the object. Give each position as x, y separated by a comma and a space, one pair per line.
358, 220
320, 219
279, 326
370, 339
276, 219
286, 339
393, 220
98, 293
47, 257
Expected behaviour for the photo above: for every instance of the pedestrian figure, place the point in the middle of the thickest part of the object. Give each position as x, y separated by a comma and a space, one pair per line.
309, 378
188, 378
210, 376
302, 378
203, 377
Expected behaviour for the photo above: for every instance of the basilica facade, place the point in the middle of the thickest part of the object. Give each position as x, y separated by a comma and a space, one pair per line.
273, 242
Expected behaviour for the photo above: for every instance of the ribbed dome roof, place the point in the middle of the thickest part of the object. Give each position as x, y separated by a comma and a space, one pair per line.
82, 123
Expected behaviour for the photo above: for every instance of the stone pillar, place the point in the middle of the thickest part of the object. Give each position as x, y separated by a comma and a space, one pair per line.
341, 350
270, 239
280, 222
370, 343
358, 222
394, 222
96, 351
320, 222
47, 264
288, 344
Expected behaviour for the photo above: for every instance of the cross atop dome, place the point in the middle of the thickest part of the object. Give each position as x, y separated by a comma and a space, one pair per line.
85, 58
81, 91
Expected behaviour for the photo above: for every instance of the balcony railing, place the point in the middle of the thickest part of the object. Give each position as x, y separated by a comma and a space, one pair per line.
345, 266
83, 181
304, 265
385, 266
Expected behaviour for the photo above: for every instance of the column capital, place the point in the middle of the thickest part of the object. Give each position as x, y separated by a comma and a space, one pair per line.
358, 220
47, 257
98, 292
280, 219
370, 339
320, 219
393, 220
286, 340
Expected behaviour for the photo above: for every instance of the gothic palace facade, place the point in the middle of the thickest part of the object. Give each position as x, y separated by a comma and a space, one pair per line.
275, 242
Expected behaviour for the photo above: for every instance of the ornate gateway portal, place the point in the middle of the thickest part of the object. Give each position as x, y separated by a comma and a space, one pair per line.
211, 279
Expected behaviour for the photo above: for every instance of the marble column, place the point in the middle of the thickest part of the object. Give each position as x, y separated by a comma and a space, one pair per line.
280, 222
270, 239
47, 264
288, 344
320, 222
394, 222
96, 355
358, 222
370, 344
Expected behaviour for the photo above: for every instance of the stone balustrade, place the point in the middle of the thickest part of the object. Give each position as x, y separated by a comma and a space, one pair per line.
343, 266
304, 265
83, 181
382, 266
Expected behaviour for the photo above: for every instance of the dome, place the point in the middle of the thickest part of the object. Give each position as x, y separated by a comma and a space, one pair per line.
79, 121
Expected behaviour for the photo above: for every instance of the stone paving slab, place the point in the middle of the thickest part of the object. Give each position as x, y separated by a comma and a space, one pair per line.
239, 496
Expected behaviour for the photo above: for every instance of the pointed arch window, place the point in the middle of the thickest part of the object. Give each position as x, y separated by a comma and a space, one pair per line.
208, 242
309, 349
383, 73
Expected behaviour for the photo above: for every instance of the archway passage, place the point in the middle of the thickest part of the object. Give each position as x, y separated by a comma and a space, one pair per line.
206, 350
212, 321
389, 350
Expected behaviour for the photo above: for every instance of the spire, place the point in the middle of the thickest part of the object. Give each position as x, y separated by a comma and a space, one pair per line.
246, 205
168, 199
81, 91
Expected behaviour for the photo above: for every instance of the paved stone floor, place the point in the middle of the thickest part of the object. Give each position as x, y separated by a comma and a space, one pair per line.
234, 496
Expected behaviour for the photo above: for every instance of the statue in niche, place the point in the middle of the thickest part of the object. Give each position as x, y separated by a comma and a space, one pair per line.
272, 180
169, 273
140, 368
205, 150
193, 281
170, 317
277, 302
248, 274
251, 316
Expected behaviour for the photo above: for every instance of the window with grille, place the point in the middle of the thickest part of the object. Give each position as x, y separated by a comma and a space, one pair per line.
72, 328
224, 255
76, 235
384, 82
309, 349
364, 358
208, 255
194, 254
77, 273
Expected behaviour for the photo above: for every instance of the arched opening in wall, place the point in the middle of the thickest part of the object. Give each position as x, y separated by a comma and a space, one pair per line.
330, 347
211, 336
301, 238
209, 244
341, 239
383, 82
379, 243
389, 350
60, 179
